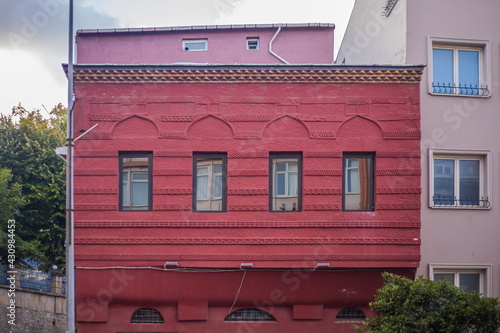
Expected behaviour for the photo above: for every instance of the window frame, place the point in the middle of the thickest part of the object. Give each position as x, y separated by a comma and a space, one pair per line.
485, 271
272, 178
485, 175
371, 156
121, 156
250, 39
484, 48
185, 48
211, 156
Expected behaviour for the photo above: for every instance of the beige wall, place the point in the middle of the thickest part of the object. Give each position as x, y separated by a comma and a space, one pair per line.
459, 236
35, 311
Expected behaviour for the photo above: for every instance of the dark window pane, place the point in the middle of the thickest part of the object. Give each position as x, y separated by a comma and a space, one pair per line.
469, 282
280, 184
444, 173
251, 314
469, 182
147, 316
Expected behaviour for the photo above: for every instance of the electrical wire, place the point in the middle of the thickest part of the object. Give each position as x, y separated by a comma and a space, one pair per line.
238, 292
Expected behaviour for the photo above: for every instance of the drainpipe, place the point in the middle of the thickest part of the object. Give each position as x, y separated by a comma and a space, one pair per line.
271, 47
70, 259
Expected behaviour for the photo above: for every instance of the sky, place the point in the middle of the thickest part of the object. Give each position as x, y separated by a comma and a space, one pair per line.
34, 33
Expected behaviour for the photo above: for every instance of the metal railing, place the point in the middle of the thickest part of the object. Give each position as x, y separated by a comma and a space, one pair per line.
448, 88
36, 280
389, 5
472, 202
31, 279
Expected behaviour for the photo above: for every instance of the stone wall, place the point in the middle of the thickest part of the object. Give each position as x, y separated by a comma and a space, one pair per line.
36, 311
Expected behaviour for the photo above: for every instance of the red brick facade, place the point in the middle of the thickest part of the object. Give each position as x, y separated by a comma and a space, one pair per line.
186, 263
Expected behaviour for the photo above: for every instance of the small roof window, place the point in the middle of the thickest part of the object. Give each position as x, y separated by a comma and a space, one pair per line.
253, 43
195, 44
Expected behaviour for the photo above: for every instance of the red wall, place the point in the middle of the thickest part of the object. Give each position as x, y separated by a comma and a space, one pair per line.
247, 121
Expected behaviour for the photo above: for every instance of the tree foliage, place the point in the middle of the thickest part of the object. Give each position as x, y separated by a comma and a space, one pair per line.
32, 184
425, 306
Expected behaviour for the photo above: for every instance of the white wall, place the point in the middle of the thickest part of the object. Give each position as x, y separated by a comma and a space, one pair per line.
371, 37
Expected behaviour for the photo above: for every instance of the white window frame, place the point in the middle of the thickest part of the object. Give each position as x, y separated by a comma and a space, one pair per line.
185, 43
485, 271
484, 48
253, 39
211, 175
485, 174
287, 173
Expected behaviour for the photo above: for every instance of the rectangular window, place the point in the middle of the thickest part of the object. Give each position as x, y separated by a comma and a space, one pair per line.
285, 182
458, 179
253, 43
467, 277
459, 67
467, 281
135, 180
358, 182
209, 182
195, 44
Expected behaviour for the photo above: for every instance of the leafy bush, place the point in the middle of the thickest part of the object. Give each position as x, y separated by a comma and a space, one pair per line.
425, 306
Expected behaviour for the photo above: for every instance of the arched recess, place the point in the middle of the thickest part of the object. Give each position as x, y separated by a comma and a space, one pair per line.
285, 127
359, 127
210, 127
250, 314
135, 127
147, 316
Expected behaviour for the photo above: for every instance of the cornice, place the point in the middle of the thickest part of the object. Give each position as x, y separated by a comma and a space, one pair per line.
246, 74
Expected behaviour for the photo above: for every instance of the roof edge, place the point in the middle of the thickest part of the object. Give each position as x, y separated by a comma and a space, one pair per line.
204, 27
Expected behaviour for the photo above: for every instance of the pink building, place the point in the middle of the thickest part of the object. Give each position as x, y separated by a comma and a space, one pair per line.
458, 41
258, 196
219, 44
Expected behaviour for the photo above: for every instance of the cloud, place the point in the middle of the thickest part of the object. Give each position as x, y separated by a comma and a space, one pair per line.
164, 13
41, 27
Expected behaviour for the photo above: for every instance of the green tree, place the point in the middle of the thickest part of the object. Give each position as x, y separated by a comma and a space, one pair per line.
425, 306
34, 186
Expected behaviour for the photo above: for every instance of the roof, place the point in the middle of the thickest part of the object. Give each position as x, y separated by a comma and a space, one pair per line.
205, 27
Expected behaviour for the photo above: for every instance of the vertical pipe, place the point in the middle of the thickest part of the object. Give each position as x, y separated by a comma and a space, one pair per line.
271, 47
70, 265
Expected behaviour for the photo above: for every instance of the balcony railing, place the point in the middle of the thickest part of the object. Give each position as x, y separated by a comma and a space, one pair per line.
464, 202
389, 5
469, 90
